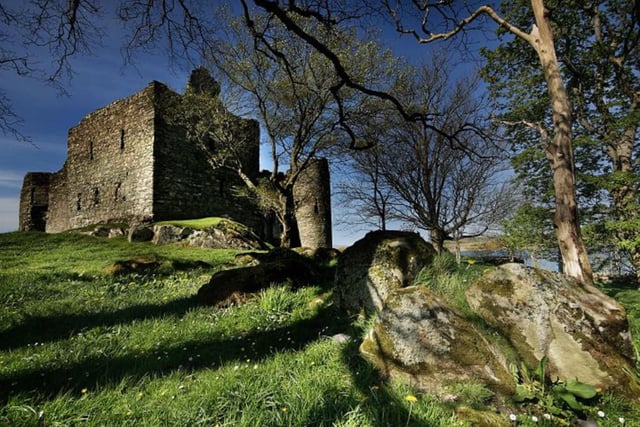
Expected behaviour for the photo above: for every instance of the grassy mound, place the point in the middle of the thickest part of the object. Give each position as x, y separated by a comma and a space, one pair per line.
200, 223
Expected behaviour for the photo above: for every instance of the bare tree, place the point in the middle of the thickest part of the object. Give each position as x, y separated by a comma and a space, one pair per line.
448, 192
363, 192
420, 178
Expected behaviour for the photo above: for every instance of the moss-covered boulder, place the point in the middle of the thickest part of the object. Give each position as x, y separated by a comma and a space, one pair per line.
419, 339
583, 333
276, 268
377, 264
151, 265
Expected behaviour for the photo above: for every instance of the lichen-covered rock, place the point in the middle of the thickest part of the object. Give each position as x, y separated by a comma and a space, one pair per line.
377, 264
421, 340
152, 265
224, 235
115, 232
583, 333
224, 238
166, 233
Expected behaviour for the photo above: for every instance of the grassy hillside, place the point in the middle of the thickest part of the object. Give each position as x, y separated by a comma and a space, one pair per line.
81, 347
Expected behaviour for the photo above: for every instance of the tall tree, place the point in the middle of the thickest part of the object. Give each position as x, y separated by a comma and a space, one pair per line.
597, 47
449, 192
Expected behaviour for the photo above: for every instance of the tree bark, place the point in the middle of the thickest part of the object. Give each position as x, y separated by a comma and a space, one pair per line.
624, 196
437, 238
560, 152
290, 237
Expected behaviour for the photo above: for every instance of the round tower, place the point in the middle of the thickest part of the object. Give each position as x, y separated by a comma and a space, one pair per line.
312, 194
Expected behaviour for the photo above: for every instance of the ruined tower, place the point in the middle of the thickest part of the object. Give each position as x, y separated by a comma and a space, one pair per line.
34, 201
312, 194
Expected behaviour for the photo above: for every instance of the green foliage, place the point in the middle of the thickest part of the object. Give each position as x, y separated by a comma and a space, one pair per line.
559, 399
443, 264
529, 229
589, 39
449, 280
473, 394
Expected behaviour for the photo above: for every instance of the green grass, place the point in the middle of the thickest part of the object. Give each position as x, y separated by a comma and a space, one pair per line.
81, 347
198, 224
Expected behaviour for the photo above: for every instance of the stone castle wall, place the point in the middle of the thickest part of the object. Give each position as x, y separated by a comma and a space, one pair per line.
186, 186
108, 174
312, 194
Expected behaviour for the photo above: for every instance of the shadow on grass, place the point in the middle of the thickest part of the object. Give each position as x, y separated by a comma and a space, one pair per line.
381, 407
43, 329
94, 372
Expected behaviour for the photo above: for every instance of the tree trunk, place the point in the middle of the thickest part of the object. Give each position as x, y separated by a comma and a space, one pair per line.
437, 238
290, 237
560, 152
624, 195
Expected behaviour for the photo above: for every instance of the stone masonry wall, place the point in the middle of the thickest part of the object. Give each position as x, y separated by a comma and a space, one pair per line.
186, 185
34, 201
312, 194
108, 175
58, 200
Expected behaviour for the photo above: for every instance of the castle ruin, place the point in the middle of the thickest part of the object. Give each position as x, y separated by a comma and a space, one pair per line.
131, 162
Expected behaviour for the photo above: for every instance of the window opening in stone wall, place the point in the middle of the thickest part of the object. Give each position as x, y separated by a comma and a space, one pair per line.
221, 187
32, 196
90, 150
96, 196
116, 193
79, 202
121, 139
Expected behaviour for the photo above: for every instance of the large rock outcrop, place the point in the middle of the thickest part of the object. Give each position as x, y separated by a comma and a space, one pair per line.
583, 333
419, 339
224, 235
377, 264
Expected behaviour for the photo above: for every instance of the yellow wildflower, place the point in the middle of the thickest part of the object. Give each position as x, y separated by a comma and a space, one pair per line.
411, 398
